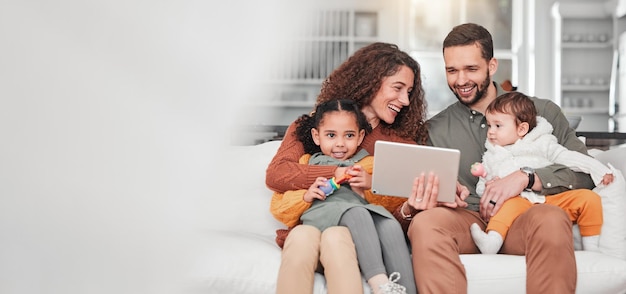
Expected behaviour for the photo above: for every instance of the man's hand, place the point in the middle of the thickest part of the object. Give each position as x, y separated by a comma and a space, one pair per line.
498, 190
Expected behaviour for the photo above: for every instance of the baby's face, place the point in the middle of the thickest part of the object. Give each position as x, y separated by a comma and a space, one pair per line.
502, 128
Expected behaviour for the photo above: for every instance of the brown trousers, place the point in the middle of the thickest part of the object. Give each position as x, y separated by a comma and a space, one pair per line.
543, 234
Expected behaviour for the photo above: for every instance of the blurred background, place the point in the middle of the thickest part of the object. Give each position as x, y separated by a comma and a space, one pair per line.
566, 51
113, 114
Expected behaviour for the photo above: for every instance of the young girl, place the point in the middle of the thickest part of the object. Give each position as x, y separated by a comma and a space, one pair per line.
331, 136
519, 141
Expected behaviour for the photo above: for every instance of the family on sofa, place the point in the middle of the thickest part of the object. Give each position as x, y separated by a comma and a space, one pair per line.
385, 85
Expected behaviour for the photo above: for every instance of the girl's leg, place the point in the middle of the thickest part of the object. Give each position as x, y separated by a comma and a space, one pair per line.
369, 253
299, 260
338, 256
395, 250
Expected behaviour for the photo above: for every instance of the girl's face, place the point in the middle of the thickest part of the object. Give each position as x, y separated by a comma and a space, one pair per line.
390, 98
338, 134
503, 130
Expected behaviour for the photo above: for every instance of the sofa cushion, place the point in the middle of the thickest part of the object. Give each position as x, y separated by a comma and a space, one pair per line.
246, 210
613, 234
499, 273
243, 263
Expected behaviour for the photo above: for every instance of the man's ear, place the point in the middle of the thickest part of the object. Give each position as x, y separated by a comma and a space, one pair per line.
522, 129
493, 66
361, 137
316, 136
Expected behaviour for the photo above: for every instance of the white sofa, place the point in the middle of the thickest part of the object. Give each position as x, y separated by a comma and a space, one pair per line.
244, 257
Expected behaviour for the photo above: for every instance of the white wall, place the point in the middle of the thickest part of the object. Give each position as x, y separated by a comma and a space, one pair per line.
544, 63
112, 115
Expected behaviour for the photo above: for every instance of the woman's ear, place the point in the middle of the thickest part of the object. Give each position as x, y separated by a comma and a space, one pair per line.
522, 129
316, 136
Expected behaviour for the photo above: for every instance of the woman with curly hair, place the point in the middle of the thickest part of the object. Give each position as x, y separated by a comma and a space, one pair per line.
385, 83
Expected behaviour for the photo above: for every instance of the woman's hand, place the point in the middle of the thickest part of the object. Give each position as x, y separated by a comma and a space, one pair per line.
424, 192
341, 171
314, 192
426, 189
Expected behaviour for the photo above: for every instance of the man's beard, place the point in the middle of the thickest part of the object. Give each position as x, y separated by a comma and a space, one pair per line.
481, 92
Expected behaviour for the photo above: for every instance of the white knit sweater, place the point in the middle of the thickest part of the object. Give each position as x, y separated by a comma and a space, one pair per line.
539, 148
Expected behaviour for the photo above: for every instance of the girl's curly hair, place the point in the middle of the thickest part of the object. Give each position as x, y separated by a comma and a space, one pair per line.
360, 77
306, 122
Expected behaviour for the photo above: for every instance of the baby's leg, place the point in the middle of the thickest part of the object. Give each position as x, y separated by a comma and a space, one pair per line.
583, 207
490, 242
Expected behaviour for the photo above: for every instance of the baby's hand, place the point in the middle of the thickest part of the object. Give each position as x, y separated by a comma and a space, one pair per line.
314, 192
478, 170
607, 179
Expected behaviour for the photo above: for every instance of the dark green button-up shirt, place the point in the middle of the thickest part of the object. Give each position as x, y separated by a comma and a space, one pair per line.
464, 129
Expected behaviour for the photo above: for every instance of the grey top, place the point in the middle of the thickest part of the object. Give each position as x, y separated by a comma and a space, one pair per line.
326, 213
464, 129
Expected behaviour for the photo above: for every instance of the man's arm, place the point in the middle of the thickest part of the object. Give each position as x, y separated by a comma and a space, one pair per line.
558, 178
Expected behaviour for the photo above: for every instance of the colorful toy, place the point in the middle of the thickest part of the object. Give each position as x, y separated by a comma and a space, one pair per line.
478, 170
334, 184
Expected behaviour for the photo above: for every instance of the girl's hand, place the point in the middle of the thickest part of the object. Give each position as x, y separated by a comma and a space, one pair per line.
314, 192
359, 180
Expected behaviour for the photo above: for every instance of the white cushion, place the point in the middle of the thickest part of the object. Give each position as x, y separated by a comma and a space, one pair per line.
242, 263
491, 273
613, 234
242, 204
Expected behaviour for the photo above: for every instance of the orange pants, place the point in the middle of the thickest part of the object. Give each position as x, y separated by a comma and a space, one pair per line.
307, 249
582, 206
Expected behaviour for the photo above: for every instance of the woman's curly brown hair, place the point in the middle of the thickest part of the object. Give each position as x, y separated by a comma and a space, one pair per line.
360, 77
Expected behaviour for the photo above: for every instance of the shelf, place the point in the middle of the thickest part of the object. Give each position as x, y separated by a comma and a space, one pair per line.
587, 45
287, 104
575, 110
584, 44
311, 82
585, 88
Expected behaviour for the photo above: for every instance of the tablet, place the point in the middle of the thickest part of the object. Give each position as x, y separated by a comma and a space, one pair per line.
396, 165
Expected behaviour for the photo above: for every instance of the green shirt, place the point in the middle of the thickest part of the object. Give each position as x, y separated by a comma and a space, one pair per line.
464, 129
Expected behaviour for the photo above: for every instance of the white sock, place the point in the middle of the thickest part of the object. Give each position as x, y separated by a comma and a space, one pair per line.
488, 243
591, 243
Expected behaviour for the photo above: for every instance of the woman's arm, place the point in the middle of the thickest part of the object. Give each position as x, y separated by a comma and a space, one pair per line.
288, 207
285, 173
